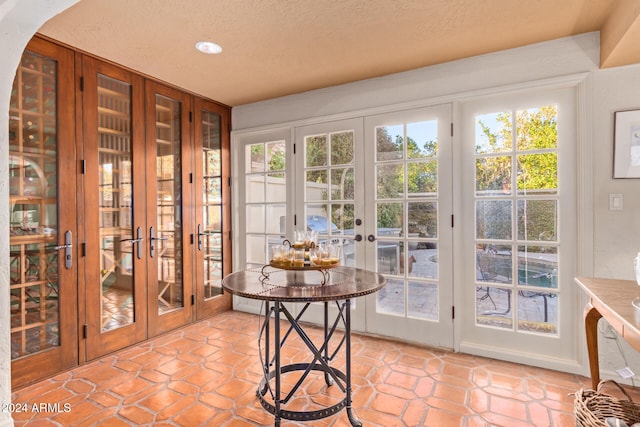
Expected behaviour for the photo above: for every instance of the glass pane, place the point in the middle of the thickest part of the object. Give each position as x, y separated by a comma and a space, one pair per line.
389, 143
390, 181
537, 128
493, 307
538, 312
494, 263
256, 248
212, 190
422, 178
211, 134
255, 188
390, 219
318, 220
275, 156
211, 163
254, 158
493, 176
276, 190
538, 266
316, 187
391, 298
342, 184
538, 173
342, 148
169, 211
212, 220
493, 132
422, 139
538, 220
423, 219
389, 260
316, 150
255, 218
115, 201
275, 216
422, 260
493, 219
213, 278
423, 300
343, 216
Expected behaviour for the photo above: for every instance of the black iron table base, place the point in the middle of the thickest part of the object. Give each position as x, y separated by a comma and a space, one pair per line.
274, 286
273, 368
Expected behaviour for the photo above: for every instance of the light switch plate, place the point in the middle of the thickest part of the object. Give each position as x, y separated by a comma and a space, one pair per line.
615, 202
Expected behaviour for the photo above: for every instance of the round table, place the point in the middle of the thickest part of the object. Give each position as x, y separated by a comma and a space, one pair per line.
275, 287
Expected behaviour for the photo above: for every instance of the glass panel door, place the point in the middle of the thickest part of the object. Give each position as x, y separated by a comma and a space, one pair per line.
522, 162
409, 235
263, 168
330, 199
43, 262
114, 208
212, 178
168, 228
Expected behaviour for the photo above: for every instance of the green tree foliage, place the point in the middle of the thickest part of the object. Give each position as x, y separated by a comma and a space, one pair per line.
536, 139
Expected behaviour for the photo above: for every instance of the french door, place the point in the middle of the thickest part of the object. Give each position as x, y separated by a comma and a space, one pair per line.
408, 187
212, 227
42, 196
114, 227
381, 188
518, 176
138, 268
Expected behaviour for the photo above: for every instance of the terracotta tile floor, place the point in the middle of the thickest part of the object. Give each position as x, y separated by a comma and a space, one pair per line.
207, 374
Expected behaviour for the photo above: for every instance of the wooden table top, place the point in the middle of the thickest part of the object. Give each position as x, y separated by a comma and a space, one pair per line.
303, 286
613, 299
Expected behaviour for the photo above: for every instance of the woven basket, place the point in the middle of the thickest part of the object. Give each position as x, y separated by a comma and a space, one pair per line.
592, 408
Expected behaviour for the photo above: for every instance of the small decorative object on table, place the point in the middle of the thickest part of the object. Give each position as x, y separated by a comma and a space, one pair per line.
304, 254
597, 409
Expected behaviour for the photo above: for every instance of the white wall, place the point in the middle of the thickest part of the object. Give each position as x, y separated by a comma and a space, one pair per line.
19, 20
608, 240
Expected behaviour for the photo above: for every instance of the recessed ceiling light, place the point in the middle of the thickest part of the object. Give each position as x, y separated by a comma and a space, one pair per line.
209, 47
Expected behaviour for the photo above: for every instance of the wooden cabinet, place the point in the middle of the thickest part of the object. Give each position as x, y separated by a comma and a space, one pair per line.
119, 209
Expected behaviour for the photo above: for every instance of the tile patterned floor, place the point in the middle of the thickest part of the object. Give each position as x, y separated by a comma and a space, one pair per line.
206, 375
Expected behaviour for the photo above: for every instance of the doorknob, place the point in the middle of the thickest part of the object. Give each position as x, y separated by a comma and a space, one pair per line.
200, 234
68, 245
138, 239
371, 237
152, 239
358, 238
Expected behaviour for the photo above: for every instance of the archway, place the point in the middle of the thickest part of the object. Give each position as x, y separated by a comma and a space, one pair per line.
19, 21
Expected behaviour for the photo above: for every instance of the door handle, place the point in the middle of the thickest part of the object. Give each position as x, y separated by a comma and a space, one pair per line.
200, 234
371, 237
138, 239
152, 239
358, 238
68, 246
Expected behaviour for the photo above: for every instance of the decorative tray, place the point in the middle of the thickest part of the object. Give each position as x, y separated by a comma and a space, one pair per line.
307, 266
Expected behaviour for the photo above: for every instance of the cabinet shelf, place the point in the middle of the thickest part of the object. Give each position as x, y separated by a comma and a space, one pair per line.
108, 131
113, 93
114, 113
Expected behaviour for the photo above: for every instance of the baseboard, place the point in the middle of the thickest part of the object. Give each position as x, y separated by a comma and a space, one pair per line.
508, 355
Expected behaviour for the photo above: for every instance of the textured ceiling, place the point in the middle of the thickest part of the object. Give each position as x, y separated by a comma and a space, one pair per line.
273, 48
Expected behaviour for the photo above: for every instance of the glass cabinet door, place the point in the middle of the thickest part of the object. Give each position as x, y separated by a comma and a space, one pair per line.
114, 218
42, 215
169, 275
211, 166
